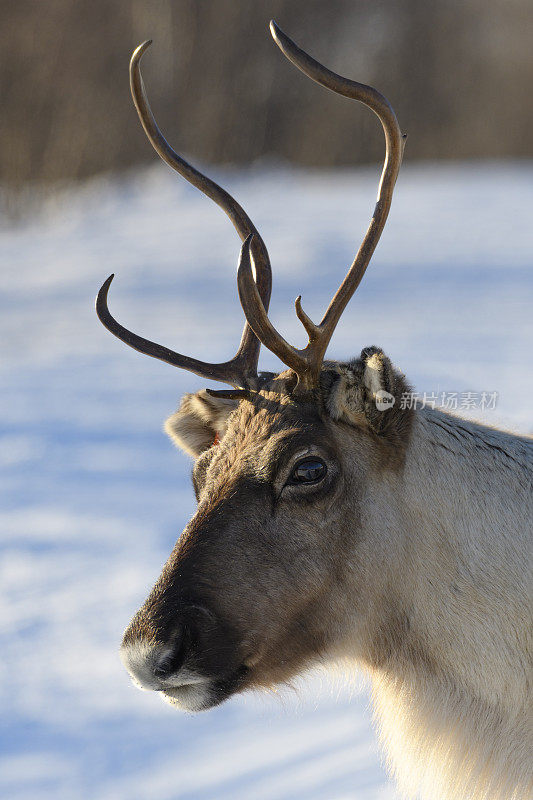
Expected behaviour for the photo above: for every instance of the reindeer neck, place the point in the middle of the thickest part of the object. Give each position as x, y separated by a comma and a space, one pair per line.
455, 675
463, 550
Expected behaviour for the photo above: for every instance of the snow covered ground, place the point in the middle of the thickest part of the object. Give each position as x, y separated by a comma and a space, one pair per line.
93, 496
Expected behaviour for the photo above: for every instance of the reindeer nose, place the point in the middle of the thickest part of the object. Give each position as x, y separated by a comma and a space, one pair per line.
151, 664
193, 643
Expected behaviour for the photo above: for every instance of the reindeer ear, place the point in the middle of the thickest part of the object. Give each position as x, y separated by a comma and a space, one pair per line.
199, 421
368, 392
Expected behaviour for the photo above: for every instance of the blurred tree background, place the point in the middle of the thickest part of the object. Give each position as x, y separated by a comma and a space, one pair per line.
458, 72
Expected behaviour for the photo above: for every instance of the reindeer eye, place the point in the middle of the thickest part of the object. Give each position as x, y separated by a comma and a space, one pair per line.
312, 470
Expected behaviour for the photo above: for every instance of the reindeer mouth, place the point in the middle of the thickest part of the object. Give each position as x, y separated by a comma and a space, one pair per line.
204, 694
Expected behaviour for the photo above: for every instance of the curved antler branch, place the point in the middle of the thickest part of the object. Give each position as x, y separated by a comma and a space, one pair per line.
240, 219
235, 372
395, 143
307, 362
243, 366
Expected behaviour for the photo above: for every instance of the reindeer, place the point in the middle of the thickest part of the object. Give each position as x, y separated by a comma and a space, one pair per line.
331, 526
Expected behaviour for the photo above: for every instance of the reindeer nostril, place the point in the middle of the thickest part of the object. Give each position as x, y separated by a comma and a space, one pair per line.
164, 668
173, 660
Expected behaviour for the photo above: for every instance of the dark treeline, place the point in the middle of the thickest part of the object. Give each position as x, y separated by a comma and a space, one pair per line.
458, 72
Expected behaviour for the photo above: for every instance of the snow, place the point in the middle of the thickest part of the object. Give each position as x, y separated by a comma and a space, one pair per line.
94, 496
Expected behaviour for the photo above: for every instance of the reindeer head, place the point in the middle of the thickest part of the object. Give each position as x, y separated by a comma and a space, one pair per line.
280, 556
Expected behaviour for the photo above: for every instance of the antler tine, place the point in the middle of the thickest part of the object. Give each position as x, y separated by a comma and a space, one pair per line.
243, 366
307, 362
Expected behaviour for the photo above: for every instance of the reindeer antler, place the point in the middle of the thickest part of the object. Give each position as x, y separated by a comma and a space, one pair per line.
243, 366
307, 362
